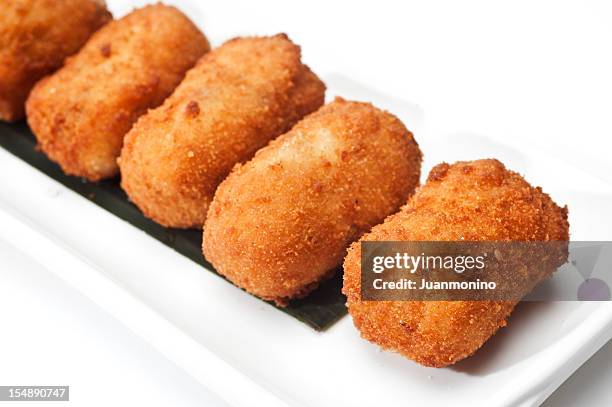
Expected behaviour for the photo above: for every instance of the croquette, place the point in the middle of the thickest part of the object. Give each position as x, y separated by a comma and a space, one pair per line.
81, 113
238, 98
35, 38
282, 222
467, 201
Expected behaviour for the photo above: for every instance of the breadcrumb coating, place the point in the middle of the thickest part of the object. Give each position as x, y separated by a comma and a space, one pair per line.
472, 201
35, 37
238, 98
81, 113
282, 222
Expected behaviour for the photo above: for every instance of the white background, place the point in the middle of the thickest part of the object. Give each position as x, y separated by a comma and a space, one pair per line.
539, 73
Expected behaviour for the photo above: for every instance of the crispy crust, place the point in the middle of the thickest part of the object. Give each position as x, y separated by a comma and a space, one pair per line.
237, 98
35, 37
81, 113
282, 222
473, 201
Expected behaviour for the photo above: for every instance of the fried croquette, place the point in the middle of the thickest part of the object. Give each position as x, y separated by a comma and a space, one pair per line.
81, 113
282, 222
35, 37
238, 98
467, 201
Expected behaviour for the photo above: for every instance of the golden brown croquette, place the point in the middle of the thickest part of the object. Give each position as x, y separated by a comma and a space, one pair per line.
471, 201
81, 113
282, 222
238, 97
35, 37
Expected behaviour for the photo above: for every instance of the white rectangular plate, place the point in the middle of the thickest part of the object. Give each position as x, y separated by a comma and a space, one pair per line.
246, 350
